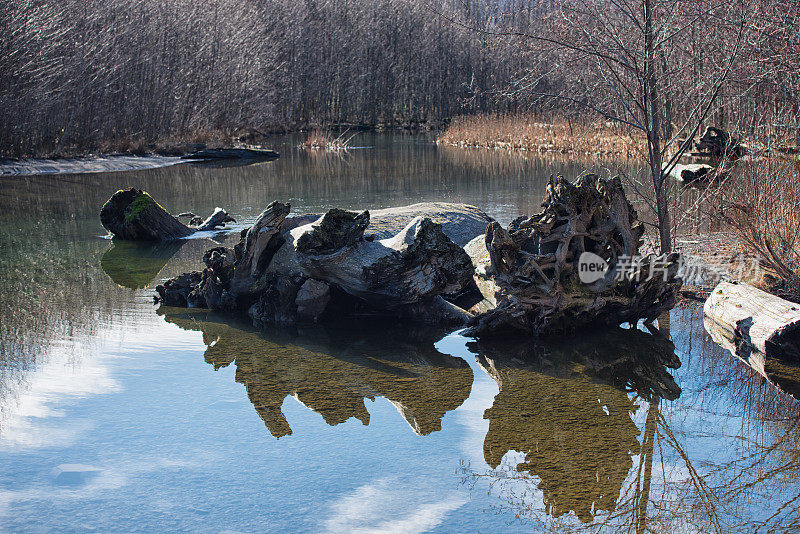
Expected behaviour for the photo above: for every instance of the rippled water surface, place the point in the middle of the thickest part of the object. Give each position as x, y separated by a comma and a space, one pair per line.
119, 416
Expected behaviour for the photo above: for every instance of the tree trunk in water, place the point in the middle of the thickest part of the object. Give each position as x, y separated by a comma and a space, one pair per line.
133, 215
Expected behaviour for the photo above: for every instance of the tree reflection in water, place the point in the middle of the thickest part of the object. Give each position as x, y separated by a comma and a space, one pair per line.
332, 371
564, 436
564, 406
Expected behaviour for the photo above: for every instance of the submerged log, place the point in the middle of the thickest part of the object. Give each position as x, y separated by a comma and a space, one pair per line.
754, 320
232, 153
531, 276
133, 215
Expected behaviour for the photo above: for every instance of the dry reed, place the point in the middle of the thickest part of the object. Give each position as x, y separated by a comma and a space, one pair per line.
761, 201
528, 132
324, 141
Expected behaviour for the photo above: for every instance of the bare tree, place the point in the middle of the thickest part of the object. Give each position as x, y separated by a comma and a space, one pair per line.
634, 63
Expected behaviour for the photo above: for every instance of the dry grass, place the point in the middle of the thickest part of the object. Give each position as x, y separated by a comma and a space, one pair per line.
761, 201
528, 132
325, 141
172, 145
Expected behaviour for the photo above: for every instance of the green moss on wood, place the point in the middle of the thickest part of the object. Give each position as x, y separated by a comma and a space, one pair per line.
139, 205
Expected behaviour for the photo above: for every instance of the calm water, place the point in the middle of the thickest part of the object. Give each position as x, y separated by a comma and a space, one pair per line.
117, 416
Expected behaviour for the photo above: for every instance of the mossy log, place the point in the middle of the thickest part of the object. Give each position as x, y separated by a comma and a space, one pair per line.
754, 320
530, 271
133, 215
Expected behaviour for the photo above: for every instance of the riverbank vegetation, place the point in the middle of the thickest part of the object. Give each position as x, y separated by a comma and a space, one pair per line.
76, 75
320, 140
578, 136
761, 202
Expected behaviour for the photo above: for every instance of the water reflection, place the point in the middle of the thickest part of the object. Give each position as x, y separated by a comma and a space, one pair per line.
564, 405
133, 264
332, 371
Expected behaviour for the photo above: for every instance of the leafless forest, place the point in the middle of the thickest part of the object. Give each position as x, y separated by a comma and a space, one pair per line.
81, 74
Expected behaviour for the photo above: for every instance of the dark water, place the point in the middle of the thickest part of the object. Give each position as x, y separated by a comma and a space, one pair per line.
117, 416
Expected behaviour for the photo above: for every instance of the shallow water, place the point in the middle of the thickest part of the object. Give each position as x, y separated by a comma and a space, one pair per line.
116, 415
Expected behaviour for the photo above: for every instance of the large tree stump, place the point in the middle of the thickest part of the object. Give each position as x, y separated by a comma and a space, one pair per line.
132, 214
531, 270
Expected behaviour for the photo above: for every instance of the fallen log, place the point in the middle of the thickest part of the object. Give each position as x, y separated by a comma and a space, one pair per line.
779, 372
530, 274
409, 263
754, 320
133, 215
287, 269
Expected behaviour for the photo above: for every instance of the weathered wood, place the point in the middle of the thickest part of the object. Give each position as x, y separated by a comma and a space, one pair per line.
215, 220
283, 271
420, 262
755, 320
717, 143
778, 371
133, 215
532, 274
693, 172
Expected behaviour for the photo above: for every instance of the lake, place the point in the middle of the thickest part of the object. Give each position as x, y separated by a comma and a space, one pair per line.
120, 416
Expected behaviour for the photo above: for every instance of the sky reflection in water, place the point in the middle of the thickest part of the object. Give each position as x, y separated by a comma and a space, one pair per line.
165, 419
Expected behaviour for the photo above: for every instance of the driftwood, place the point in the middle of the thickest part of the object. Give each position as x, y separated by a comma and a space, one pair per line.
529, 273
409, 262
288, 269
754, 320
781, 373
133, 215
694, 173
718, 143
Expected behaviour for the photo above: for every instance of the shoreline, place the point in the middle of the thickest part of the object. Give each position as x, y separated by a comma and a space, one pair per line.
86, 164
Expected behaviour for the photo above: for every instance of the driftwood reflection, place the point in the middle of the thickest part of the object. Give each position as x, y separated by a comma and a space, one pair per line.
333, 371
784, 375
134, 264
565, 406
